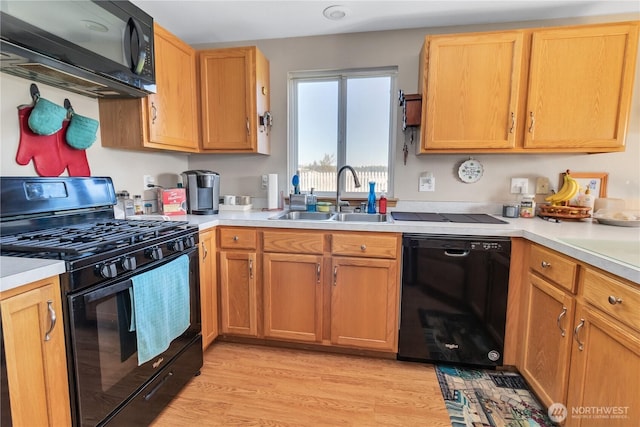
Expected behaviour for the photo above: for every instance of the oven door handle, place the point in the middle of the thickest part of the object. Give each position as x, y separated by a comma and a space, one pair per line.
109, 290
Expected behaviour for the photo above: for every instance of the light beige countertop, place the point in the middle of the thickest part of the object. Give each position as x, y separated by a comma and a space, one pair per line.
15, 271
611, 248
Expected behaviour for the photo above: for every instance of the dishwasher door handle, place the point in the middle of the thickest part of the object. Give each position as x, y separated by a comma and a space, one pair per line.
457, 254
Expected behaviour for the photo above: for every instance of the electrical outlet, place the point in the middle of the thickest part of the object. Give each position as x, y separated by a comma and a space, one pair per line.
519, 185
542, 185
148, 180
265, 181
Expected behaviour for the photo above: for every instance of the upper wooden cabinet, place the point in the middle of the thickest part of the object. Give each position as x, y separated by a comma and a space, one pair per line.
564, 89
472, 89
165, 120
234, 97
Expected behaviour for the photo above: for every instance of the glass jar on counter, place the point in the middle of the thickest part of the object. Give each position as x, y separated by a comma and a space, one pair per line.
527, 206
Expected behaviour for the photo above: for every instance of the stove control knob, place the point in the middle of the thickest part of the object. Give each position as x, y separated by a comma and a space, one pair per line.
176, 246
189, 242
107, 270
128, 263
154, 253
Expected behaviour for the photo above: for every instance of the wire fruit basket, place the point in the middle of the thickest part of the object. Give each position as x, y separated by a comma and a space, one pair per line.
565, 212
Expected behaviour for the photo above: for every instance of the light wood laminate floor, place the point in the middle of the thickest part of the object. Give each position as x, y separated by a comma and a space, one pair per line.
244, 385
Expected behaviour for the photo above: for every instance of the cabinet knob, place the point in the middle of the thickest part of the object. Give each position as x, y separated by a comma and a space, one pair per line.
236, 238
363, 247
545, 264
614, 300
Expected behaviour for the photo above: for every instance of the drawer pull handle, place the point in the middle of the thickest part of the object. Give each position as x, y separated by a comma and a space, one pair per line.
52, 318
205, 252
614, 300
335, 275
250, 269
545, 264
575, 335
318, 273
563, 332
236, 238
513, 122
363, 247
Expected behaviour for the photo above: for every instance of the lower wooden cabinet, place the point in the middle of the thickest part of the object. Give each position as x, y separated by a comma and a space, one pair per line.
208, 287
604, 382
364, 303
238, 274
36, 357
292, 290
581, 349
311, 286
547, 339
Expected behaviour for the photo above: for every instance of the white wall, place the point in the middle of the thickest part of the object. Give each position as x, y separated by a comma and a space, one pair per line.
240, 173
125, 167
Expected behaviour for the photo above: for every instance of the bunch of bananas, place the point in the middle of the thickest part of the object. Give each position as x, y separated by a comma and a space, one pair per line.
567, 192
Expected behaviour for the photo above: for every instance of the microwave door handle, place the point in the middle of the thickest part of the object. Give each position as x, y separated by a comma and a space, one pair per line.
136, 64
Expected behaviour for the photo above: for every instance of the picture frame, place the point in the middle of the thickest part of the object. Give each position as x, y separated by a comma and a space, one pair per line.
596, 181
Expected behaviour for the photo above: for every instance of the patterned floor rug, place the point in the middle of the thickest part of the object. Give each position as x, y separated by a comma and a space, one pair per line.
478, 397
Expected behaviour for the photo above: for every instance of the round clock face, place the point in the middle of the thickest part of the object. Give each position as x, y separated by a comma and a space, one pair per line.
470, 171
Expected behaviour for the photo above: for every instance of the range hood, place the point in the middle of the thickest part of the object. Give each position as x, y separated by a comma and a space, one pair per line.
25, 63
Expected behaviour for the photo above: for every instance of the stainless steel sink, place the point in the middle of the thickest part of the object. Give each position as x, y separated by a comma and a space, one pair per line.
305, 216
360, 217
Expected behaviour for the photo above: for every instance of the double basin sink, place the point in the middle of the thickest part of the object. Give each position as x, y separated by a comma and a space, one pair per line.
330, 216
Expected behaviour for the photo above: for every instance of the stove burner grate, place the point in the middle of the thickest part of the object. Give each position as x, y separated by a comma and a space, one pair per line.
93, 237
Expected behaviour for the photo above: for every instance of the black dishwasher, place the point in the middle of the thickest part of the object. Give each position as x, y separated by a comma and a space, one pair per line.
454, 299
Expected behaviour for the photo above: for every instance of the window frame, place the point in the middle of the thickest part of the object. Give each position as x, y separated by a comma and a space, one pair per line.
341, 76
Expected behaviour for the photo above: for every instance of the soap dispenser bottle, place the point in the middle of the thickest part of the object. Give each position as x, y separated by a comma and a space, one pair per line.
371, 202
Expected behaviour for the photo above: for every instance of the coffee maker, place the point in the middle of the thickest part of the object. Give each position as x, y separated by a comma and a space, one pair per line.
203, 191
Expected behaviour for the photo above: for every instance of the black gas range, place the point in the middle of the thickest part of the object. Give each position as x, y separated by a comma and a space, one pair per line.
72, 220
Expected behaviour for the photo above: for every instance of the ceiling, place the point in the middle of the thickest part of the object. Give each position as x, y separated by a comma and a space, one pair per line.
217, 21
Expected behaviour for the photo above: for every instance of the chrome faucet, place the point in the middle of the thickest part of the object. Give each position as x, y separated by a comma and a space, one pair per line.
355, 180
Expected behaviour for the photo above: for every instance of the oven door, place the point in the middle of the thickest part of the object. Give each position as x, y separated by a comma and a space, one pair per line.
104, 349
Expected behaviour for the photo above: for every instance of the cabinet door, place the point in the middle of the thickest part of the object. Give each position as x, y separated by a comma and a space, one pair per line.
36, 358
208, 287
471, 90
580, 87
364, 303
227, 97
293, 296
238, 293
605, 368
166, 120
547, 341
172, 112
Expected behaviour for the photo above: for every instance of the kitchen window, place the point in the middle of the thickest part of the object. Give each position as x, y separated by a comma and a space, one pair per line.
342, 117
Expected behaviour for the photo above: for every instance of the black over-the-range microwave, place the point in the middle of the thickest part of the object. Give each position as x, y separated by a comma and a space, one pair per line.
98, 48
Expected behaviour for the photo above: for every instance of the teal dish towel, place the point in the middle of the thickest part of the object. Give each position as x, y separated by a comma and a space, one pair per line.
161, 308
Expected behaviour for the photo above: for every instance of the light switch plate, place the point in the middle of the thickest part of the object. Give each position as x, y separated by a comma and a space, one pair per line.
265, 181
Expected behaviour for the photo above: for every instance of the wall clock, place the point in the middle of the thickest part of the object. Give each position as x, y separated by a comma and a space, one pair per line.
470, 171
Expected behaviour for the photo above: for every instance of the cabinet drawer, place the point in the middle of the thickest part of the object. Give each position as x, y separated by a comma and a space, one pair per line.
556, 267
613, 296
293, 242
238, 238
365, 245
